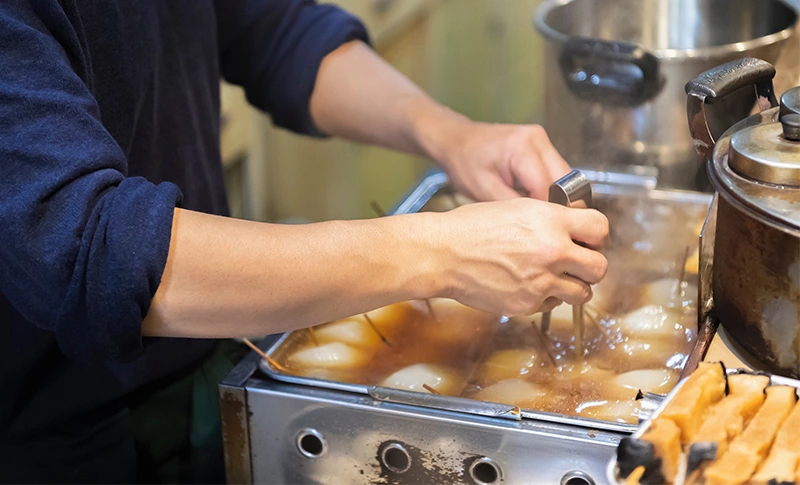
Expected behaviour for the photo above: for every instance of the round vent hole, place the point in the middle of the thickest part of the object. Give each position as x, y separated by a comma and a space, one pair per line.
577, 478
485, 472
396, 458
311, 443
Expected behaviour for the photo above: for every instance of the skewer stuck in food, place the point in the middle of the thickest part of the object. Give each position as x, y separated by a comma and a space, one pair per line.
418, 377
313, 334
543, 341
375, 328
578, 329
266, 357
430, 389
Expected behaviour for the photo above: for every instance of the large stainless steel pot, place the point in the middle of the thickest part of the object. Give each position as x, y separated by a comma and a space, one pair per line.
755, 168
615, 71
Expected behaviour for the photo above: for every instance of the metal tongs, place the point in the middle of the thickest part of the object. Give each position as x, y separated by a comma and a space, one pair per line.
567, 191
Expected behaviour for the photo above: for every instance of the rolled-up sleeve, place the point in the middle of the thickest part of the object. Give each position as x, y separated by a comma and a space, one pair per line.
273, 48
82, 246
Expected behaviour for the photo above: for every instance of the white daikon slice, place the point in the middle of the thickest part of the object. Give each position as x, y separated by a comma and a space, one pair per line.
650, 322
441, 379
353, 331
658, 381
511, 391
666, 292
390, 315
334, 355
618, 411
506, 364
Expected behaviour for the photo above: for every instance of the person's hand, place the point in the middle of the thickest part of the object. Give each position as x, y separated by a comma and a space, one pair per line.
485, 161
518, 257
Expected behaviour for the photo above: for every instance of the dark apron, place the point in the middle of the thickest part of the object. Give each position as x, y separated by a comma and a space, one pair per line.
171, 435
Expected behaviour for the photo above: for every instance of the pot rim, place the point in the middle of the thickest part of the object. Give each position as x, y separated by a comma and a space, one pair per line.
717, 171
747, 208
547, 6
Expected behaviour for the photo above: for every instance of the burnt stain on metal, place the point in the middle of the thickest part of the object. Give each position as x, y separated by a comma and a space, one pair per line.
754, 275
234, 435
418, 471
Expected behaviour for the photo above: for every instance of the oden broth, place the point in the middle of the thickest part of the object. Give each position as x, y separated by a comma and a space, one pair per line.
637, 337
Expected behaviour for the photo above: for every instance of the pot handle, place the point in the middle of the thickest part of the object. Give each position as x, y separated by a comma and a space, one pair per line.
614, 73
717, 83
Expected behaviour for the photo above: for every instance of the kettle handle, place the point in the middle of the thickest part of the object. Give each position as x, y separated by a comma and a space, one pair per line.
717, 83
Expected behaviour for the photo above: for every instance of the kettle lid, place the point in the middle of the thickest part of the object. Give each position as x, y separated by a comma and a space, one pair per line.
768, 152
757, 162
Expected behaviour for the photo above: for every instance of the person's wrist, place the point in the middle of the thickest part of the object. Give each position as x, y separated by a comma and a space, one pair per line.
426, 254
439, 131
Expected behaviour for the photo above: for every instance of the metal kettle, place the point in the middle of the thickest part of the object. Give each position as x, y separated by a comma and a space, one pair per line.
755, 169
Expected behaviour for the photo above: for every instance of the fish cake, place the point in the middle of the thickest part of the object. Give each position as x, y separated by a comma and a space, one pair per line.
704, 387
783, 460
746, 451
726, 419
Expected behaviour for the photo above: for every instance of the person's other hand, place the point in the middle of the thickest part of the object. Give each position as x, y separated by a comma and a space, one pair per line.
519, 257
485, 161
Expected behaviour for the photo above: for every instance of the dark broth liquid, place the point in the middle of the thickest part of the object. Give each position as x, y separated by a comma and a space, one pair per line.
649, 241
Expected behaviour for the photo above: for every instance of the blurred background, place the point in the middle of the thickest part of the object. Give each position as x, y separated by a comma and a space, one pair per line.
482, 58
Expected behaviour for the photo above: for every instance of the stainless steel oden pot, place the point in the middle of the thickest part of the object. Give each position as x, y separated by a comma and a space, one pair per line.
615, 72
755, 169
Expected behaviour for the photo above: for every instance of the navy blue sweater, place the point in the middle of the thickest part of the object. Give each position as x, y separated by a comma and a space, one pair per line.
109, 119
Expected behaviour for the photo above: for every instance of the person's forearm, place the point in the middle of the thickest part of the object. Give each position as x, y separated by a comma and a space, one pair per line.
358, 96
232, 278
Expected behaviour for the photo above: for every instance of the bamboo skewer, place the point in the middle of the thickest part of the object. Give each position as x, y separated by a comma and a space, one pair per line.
539, 334
381, 213
430, 310
431, 390
603, 330
375, 328
595, 319
313, 334
266, 357
597, 308
578, 329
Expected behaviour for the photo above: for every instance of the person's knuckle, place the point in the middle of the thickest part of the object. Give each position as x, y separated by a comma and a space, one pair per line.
536, 131
561, 251
585, 293
602, 267
518, 307
550, 252
601, 224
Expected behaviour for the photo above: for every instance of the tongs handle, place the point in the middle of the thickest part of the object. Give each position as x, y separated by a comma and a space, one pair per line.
568, 191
